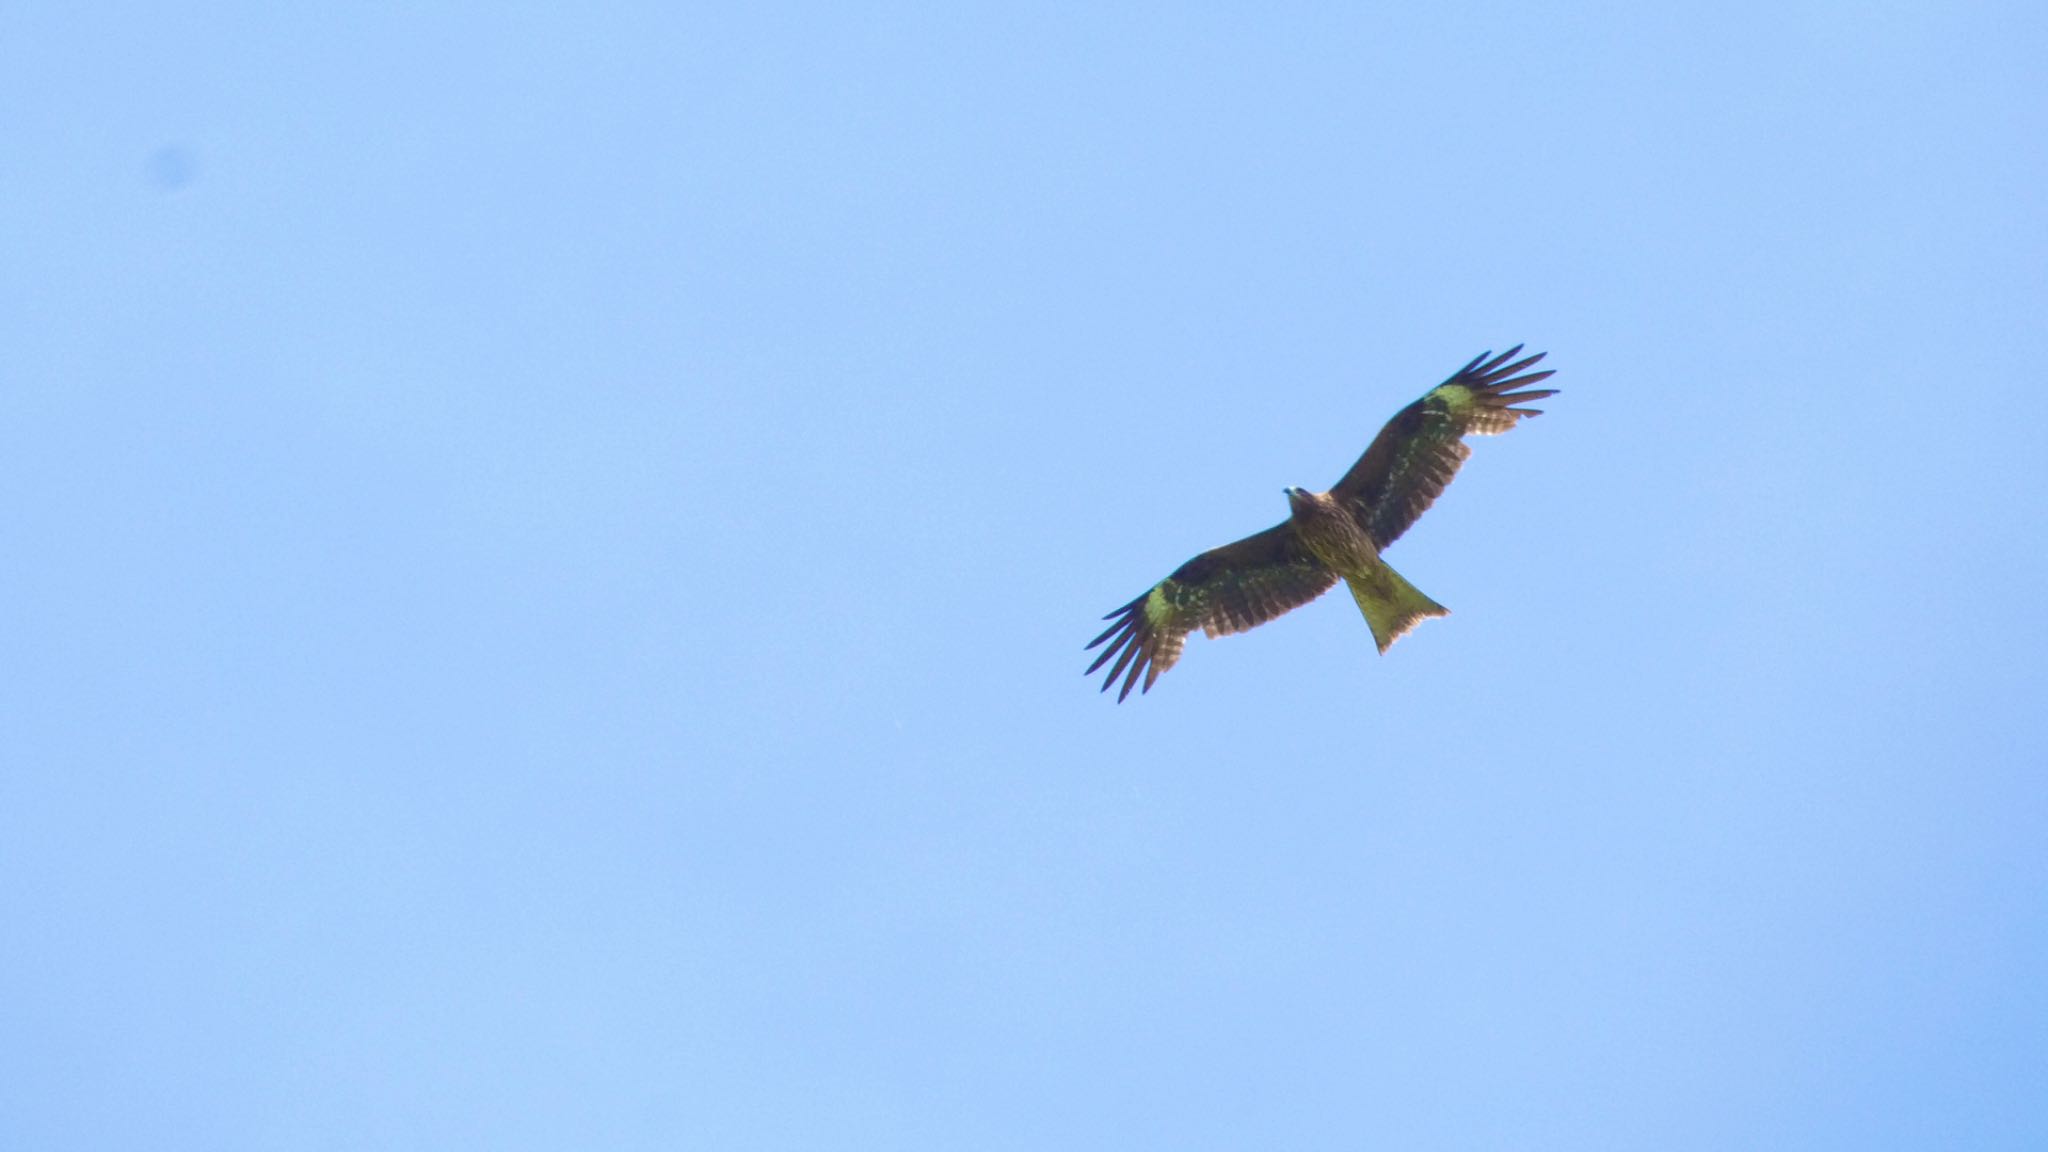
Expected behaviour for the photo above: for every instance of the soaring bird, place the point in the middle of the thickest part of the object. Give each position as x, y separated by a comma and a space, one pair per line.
1329, 536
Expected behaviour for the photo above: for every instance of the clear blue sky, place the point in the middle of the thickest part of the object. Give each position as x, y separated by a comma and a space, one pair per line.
544, 555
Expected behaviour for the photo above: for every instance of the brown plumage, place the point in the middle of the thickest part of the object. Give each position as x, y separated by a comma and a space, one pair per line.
1328, 536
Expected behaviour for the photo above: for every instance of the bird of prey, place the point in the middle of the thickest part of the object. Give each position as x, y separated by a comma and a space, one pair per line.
1331, 535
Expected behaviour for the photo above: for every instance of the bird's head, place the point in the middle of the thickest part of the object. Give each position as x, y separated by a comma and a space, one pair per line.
1296, 497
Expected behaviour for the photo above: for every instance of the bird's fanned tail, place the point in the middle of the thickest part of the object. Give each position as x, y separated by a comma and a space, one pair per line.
1391, 604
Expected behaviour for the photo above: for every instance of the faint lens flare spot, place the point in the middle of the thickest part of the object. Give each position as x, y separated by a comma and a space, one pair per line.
171, 167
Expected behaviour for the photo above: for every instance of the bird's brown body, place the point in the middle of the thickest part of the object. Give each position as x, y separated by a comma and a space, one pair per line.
1328, 536
1334, 536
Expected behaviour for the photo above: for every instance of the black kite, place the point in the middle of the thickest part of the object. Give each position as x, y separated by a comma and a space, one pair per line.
1331, 535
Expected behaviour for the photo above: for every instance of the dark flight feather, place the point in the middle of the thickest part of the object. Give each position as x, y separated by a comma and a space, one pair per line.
1224, 590
1413, 459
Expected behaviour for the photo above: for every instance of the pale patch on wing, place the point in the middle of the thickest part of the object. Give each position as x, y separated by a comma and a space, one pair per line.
1158, 609
1467, 415
1456, 397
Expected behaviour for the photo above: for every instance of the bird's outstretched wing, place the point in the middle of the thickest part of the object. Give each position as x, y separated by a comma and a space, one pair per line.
1224, 590
1414, 457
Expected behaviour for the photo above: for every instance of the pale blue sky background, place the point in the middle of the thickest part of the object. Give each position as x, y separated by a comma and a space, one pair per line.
546, 554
